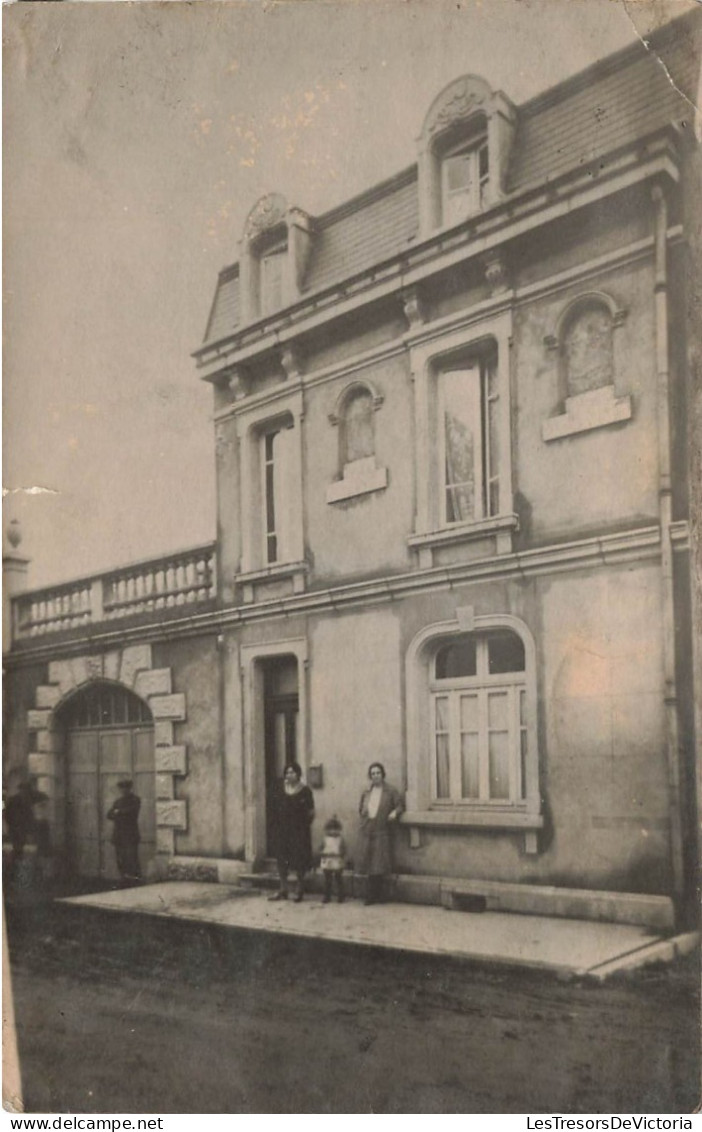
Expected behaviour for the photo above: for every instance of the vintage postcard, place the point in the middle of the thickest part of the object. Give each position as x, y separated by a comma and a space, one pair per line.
351, 558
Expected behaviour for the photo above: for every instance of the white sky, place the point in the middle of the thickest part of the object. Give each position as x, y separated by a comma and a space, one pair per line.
137, 137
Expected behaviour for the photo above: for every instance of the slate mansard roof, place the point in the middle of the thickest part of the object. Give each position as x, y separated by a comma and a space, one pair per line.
572, 126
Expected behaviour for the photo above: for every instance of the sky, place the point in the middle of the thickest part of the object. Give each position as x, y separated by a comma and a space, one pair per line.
137, 137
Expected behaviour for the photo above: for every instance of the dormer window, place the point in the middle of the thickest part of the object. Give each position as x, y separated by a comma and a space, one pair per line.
464, 181
275, 250
463, 153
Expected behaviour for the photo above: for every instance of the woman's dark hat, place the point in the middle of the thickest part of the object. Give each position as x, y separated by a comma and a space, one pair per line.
125, 784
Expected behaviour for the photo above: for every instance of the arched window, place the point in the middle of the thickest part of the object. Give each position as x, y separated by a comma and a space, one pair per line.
104, 705
472, 736
587, 349
479, 719
357, 438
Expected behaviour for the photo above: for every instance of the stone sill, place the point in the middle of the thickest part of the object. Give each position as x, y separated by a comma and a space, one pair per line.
587, 411
360, 481
474, 819
464, 532
513, 820
276, 570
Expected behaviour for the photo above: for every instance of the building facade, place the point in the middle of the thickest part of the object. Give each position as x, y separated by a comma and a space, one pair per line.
453, 503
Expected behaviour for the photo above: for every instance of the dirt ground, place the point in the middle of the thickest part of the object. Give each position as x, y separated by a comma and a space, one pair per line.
126, 1014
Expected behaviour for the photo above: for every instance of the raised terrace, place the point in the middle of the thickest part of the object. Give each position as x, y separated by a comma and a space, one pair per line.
146, 590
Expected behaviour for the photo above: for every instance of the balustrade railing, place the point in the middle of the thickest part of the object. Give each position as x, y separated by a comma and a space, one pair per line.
181, 579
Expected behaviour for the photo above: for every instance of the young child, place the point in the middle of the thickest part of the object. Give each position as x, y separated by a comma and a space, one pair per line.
333, 851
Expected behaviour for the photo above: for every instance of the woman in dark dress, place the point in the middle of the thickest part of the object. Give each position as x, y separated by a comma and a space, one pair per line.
292, 837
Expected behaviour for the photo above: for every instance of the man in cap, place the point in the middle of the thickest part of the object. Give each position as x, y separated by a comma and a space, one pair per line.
125, 837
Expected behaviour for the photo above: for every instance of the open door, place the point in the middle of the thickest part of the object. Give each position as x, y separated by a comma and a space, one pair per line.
281, 724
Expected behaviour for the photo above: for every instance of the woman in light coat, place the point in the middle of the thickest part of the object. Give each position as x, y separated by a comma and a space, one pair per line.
380, 807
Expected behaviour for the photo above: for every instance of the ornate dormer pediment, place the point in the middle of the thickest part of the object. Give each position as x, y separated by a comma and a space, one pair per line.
463, 152
268, 212
456, 103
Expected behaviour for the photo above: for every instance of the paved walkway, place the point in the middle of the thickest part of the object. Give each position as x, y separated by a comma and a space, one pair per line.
565, 947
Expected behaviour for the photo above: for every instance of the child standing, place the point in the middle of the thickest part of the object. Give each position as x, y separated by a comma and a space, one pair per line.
333, 852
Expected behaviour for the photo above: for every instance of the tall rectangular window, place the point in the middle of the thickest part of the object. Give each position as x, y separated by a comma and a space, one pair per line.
468, 440
275, 472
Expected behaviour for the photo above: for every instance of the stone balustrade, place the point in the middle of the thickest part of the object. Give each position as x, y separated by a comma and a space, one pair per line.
181, 579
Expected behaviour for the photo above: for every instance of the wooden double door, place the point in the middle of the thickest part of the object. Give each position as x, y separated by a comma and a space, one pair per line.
96, 760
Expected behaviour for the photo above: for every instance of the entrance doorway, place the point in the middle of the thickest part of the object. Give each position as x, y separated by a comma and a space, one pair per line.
109, 736
281, 725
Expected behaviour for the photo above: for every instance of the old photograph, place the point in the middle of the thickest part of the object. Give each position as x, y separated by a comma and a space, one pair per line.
352, 414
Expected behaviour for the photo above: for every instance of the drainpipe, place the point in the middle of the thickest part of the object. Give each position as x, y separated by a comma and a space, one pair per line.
665, 510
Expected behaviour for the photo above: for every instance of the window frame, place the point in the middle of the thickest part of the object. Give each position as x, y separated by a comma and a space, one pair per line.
481, 686
429, 356
423, 809
274, 476
270, 303
477, 190
488, 474
254, 424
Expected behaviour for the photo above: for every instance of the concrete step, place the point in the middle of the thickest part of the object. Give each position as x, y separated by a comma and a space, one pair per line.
457, 893
313, 881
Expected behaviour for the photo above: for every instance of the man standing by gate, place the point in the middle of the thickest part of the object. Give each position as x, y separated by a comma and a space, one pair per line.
125, 837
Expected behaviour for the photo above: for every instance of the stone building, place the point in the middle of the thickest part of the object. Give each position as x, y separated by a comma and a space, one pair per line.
450, 427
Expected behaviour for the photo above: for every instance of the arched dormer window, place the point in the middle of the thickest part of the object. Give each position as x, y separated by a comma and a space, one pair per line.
354, 416
274, 255
585, 349
463, 152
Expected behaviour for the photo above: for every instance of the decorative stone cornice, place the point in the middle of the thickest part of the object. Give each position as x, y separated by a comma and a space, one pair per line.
640, 545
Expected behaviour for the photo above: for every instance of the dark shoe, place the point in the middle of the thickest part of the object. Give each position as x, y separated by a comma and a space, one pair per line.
279, 896
326, 899
297, 898
341, 899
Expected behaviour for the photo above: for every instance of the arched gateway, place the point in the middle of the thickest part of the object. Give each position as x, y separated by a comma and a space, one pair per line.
108, 736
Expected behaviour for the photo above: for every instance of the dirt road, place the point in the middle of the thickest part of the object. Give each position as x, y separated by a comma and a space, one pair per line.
131, 1015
